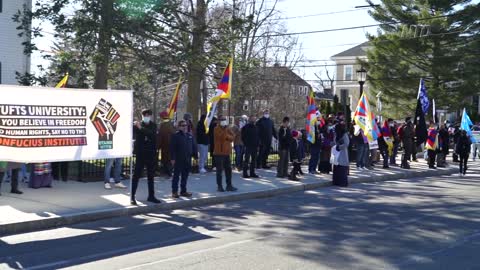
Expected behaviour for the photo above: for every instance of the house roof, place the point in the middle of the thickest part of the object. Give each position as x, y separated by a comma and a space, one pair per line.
279, 73
356, 51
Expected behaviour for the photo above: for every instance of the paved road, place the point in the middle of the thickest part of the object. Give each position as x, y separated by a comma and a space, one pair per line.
430, 223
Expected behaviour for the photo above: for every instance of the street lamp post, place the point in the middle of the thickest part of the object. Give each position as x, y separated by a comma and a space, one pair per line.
361, 77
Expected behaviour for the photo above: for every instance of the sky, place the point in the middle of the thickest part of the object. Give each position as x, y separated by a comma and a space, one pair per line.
312, 15
331, 15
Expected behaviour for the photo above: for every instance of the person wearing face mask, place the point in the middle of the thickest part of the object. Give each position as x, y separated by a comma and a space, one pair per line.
284, 141
327, 134
145, 151
223, 148
165, 133
340, 170
202, 141
238, 143
250, 140
266, 130
182, 148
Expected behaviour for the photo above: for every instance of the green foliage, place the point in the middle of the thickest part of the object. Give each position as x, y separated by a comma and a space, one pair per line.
432, 41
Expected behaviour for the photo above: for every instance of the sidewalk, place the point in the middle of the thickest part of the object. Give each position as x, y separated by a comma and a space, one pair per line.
73, 202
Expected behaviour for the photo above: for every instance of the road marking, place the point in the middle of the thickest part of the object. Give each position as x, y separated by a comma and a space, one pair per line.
112, 253
196, 252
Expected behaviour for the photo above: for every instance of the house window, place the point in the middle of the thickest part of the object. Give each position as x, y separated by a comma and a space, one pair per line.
256, 104
292, 90
264, 103
348, 73
245, 105
225, 105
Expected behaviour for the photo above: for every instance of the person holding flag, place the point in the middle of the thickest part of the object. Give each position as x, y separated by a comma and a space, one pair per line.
431, 145
385, 144
224, 91
419, 122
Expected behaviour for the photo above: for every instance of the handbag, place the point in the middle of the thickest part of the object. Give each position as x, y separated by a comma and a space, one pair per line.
334, 156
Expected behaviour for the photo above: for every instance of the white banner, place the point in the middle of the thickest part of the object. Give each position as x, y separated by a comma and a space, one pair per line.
59, 124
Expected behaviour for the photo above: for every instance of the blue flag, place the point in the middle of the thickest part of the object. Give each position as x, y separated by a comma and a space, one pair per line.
466, 125
422, 95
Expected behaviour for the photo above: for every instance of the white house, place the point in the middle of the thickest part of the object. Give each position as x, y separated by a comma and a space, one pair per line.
346, 86
12, 58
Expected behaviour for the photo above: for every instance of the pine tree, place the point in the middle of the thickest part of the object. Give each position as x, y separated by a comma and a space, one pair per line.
419, 39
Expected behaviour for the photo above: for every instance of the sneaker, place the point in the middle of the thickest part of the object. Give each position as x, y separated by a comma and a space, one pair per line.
254, 176
203, 171
108, 186
133, 201
120, 185
16, 191
220, 189
175, 195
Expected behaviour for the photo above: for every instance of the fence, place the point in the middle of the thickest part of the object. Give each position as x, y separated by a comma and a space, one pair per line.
93, 170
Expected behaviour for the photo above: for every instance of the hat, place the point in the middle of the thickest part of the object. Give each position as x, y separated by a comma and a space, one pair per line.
164, 115
146, 112
295, 133
244, 117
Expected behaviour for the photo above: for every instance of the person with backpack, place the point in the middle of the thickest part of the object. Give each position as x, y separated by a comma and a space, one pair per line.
462, 149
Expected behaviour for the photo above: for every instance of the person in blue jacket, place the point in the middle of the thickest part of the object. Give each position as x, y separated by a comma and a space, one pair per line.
182, 149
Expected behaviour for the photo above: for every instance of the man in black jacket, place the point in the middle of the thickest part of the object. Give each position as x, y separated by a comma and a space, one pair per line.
182, 149
284, 141
266, 131
250, 141
202, 142
145, 151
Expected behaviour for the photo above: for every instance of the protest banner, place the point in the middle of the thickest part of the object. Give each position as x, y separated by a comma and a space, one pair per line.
47, 124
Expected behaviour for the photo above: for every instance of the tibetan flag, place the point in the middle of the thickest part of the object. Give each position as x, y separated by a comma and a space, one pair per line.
63, 82
432, 139
226, 83
224, 91
172, 108
311, 116
466, 124
363, 117
376, 133
387, 137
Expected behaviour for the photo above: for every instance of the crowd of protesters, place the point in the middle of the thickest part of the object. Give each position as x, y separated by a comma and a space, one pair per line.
171, 148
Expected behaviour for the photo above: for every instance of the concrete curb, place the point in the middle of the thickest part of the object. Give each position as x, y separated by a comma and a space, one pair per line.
36, 225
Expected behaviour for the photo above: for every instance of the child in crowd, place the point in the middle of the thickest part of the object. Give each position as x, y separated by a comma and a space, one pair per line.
295, 155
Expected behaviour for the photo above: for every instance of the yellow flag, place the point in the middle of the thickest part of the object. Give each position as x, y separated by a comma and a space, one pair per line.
63, 82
